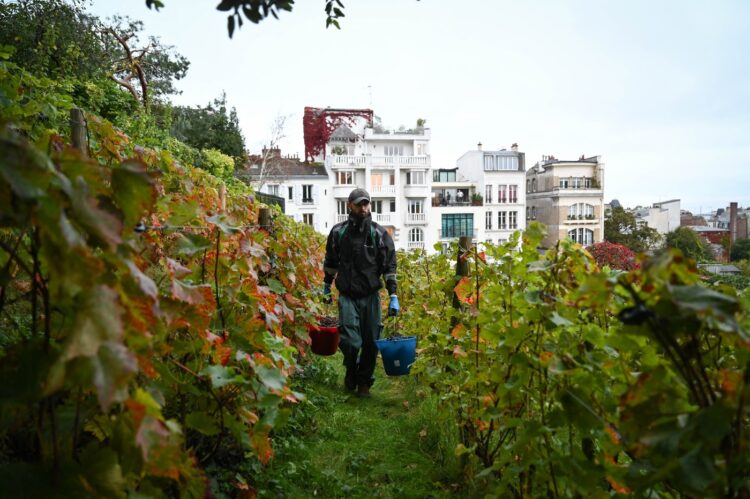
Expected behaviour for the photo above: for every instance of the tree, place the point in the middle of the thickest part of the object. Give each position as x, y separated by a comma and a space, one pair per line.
147, 71
740, 250
54, 38
689, 242
211, 127
59, 40
615, 256
257, 10
621, 227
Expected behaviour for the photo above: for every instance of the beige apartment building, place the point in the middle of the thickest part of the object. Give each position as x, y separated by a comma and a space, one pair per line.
567, 197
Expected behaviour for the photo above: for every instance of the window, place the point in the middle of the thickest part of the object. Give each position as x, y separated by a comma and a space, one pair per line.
416, 235
533, 185
581, 211
512, 193
533, 212
528, 185
342, 208
376, 206
488, 220
291, 192
421, 149
457, 225
502, 193
488, 193
307, 193
493, 162
273, 189
563, 183
588, 182
512, 219
444, 175
345, 178
528, 213
502, 222
415, 206
393, 205
415, 178
393, 150
307, 218
582, 236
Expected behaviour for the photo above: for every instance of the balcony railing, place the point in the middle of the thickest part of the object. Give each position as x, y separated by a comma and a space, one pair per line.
383, 189
416, 218
382, 218
341, 218
415, 245
456, 233
384, 162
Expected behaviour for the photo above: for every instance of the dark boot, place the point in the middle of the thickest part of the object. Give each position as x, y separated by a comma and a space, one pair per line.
350, 381
363, 391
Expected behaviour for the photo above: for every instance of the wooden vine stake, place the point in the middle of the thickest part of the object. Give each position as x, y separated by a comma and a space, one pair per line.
264, 218
462, 270
78, 131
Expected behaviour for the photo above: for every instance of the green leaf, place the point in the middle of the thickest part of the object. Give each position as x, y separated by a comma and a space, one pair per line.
97, 321
559, 320
202, 422
133, 191
112, 367
271, 377
190, 244
224, 225
275, 286
222, 375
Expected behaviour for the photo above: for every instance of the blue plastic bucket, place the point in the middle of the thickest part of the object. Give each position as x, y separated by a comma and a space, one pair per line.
398, 354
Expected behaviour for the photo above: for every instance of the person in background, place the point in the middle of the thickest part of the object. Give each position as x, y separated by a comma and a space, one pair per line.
360, 255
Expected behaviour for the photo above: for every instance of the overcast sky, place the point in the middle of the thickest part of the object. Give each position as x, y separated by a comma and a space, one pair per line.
659, 89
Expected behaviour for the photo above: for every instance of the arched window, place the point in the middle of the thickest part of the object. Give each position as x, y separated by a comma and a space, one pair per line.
528, 185
528, 213
582, 236
533, 185
416, 235
581, 211
533, 212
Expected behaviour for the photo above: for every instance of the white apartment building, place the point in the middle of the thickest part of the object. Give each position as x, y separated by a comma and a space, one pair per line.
304, 188
394, 167
568, 197
495, 184
663, 216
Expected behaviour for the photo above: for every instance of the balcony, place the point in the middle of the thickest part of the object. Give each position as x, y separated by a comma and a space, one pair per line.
456, 233
581, 220
416, 218
382, 218
389, 190
415, 245
416, 190
336, 161
341, 218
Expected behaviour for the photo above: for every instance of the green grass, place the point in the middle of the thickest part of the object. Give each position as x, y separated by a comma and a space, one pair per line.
336, 444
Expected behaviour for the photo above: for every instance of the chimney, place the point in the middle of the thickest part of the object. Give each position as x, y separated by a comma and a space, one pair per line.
514, 147
479, 146
732, 223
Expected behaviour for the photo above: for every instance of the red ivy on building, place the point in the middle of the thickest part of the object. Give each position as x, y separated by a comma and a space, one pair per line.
616, 256
318, 125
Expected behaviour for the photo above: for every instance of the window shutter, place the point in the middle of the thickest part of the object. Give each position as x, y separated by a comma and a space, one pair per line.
297, 194
315, 193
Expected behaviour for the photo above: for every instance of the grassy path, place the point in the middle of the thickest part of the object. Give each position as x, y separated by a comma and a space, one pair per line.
339, 445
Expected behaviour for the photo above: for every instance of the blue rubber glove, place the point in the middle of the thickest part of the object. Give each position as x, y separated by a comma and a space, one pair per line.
393, 307
327, 293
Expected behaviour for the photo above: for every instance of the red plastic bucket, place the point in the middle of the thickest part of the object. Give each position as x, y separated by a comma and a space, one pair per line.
325, 340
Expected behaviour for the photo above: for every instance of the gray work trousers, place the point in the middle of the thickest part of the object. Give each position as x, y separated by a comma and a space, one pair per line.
360, 325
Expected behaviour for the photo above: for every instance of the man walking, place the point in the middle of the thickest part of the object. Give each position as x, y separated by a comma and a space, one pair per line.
358, 253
